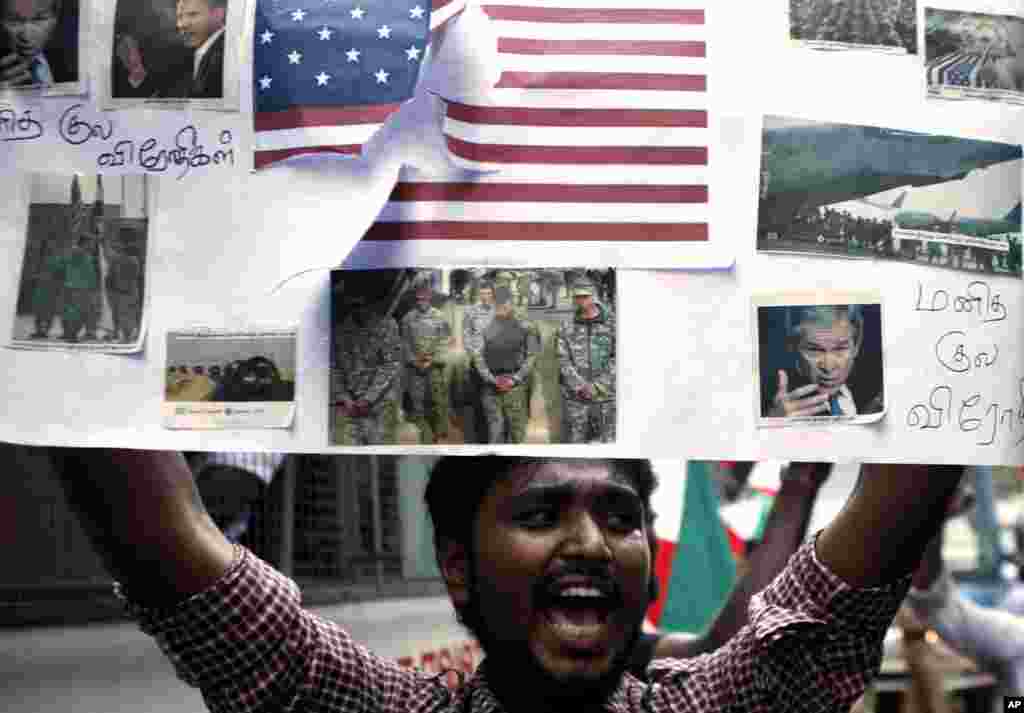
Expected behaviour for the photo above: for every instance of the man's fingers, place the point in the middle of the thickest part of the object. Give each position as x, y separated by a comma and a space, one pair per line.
801, 391
10, 59
815, 402
780, 392
811, 410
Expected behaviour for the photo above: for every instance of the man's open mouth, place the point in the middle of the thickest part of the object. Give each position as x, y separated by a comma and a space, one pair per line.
579, 615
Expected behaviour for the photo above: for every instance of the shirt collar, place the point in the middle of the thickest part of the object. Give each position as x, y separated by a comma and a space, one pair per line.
203, 49
478, 697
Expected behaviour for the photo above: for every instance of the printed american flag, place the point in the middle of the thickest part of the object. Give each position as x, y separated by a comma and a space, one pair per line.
327, 73
596, 131
959, 69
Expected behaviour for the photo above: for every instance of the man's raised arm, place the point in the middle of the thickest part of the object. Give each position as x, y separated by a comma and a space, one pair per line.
142, 512
882, 531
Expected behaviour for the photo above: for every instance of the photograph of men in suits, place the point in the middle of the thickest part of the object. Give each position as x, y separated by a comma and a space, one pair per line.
38, 42
154, 61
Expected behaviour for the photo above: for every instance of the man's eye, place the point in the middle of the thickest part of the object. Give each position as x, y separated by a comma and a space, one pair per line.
541, 517
624, 520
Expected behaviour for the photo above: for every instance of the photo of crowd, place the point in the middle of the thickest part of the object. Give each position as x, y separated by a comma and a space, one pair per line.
968, 50
865, 192
473, 356
83, 273
221, 378
878, 23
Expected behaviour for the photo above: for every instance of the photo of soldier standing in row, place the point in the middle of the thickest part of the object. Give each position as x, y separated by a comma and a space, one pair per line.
435, 357
83, 268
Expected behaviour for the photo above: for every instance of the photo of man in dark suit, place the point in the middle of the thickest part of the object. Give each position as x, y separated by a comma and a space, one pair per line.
38, 42
150, 64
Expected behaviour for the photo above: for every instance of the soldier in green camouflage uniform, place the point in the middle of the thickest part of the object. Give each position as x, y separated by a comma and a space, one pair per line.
475, 319
82, 297
46, 294
366, 368
504, 363
586, 361
426, 337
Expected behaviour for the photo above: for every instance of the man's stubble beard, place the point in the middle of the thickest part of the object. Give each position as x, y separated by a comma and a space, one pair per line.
515, 668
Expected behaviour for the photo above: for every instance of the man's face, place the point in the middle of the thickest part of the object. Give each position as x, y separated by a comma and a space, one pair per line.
584, 303
423, 296
28, 25
559, 580
197, 21
486, 296
827, 351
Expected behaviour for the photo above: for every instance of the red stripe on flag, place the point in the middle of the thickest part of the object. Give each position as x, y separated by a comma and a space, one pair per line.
562, 232
265, 158
652, 16
581, 155
581, 118
662, 570
521, 45
547, 193
301, 116
634, 81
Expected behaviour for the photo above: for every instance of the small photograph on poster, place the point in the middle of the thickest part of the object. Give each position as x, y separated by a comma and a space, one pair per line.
879, 25
83, 274
972, 55
886, 194
40, 46
819, 358
221, 379
473, 355
175, 51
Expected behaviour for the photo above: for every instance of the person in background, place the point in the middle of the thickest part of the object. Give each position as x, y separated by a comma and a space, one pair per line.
784, 532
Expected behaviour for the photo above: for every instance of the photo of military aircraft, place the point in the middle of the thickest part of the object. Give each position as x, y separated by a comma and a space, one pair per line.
853, 191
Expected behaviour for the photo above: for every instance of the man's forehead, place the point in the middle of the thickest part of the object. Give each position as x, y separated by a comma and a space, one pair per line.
580, 476
27, 8
839, 328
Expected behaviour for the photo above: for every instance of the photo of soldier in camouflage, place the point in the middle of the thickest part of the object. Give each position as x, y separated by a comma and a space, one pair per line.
473, 356
83, 271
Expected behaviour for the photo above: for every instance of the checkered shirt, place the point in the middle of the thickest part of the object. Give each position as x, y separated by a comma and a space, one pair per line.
812, 644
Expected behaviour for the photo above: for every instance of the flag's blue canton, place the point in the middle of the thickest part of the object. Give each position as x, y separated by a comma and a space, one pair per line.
338, 52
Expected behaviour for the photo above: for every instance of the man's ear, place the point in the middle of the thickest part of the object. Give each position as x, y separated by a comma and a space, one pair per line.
453, 560
219, 15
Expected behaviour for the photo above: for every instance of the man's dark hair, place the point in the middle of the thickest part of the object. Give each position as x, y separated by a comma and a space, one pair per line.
459, 484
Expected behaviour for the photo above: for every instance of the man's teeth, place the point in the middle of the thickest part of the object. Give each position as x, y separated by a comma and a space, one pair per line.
589, 592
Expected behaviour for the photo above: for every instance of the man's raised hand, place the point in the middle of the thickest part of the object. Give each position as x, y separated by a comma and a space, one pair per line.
801, 401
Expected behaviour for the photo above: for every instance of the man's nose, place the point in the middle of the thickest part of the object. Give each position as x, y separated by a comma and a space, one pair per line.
586, 538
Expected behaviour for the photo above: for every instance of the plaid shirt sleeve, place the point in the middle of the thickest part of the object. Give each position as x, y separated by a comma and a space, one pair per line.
247, 643
812, 645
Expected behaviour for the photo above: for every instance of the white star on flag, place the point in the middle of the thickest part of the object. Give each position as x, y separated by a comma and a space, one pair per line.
382, 76
413, 53
265, 37
294, 57
265, 82
416, 13
325, 33
321, 79
357, 13
298, 15
383, 32
353, 55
